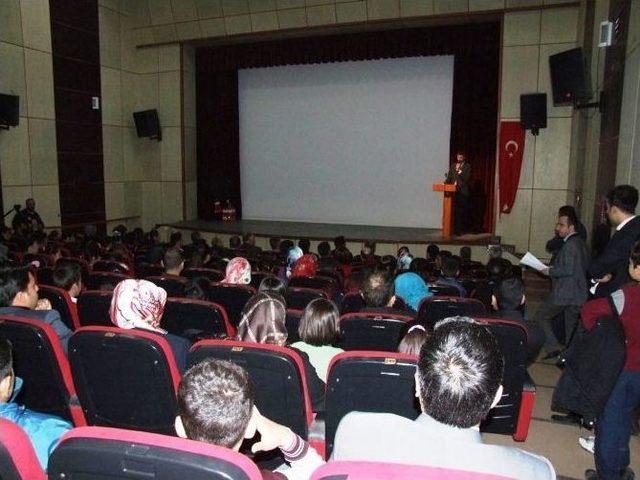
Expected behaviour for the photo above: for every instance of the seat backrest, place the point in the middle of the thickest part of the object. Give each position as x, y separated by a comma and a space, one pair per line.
369, 382
18, 459
111, 266
39, 360
351, 302
93, 308
396, 471
232, 297
61, 301
372, 331
433, 309
299, 297
115, 454
257, 277
444, 290
209, 273
277, 374
96, 280
512, 338
146, 269
125, 378
185, 317
45, 275
292, 322
329, 285
174, 286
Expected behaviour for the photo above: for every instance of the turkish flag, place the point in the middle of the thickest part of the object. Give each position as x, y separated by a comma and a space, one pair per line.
510, 163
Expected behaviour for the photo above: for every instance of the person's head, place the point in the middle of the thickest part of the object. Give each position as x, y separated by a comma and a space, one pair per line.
30, 204
272, 284
320, 323
442, 254
263, 320
305, 245
460, 157
566, 224
197, 289
324, 249
343, 256
465, 253
634, 262
154, 236
621, 203
450, 266
305, 266
215, 404
175, 240
293, 255
249, 239
459, 373
509, 294
567, 210
432, 251
68, 276
173, 262
495, 269
368, 248
7, 376
411, 288
413, 340
18, 287
378, 289
238, 272
34, 244
235, 242
195, 237
137, 304
339, 241
274, 243
285, 246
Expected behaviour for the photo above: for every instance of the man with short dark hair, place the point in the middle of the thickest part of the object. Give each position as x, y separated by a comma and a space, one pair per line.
234, 242
216, 405
378, 293
173, 262
67, 275
609, 270
557, 242
326, 261
249, 245
458, 380
450, 271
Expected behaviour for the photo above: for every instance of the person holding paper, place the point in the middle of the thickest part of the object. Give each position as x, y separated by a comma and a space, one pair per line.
568, 272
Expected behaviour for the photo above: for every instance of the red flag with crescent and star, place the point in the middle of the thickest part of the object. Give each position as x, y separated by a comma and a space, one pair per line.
510, 163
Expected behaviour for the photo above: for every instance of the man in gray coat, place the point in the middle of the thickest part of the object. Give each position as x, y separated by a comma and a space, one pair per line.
568, 273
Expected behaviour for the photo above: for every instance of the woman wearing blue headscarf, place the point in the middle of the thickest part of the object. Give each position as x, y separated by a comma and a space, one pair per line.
411, 288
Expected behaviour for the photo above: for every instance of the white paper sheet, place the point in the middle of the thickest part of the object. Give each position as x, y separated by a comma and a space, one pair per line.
530, 260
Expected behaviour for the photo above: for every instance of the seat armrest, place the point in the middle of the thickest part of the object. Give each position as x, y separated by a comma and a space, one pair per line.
525, 411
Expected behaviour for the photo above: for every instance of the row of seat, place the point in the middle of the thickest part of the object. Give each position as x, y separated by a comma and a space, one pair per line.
128, 379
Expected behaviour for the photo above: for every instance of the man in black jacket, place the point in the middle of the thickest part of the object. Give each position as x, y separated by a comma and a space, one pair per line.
610, 270
555, 244
460, 175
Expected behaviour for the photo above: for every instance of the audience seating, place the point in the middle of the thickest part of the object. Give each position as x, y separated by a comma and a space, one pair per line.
433, 309
328, 285
444, 290
146, 269
299, 297
232, 297
208, 273
61, 301
351, 302
372, 331
38, 358
257, 277
369, 382
341, 470
174, 285
18, 459
115, 454
111, 267
96, 280
277, 374
293, 322
45, 275
188, 317
93, 308
125, 378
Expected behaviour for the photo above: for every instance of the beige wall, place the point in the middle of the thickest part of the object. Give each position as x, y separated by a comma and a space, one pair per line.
28, 158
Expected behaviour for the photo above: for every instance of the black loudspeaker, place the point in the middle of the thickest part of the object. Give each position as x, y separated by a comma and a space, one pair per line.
569, 79
9, 110
147, 124
533, 111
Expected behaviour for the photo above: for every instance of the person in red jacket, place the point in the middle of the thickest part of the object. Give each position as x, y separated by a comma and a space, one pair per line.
613, 427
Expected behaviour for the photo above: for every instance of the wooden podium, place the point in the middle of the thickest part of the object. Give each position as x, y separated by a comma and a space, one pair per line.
449, 190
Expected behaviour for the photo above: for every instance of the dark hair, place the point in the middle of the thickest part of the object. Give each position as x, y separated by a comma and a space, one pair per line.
320, 323
234, 241
432, 251
66, 273
6, 358
566, 210
175, 238
625, 197
635, 254
272, 284
324, 249
247, 236
197, 288
195, 236
343, 256
459, 372
339, 241
304, 244
369, 244
215, 402
450, 265
570, 215
153, 234
172, 258
509, 293
377, 289
285, 246
12, 281
465, 253
274, 242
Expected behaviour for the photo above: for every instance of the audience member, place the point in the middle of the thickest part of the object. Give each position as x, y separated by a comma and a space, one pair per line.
249, 245
175, 240
450, 271
173, 262
293, 255
198, 289
319, 330
368, 256
67, 275
305, 266
412, 289
216, 405
404, 259
235, 242
557, 241
28, 218
413, 340
274, 243
432, 252
345, 259
305, 245
140, 304
458, 380
263, 320
272, 284
613, 427
43, 430
238, 272
378, 293
465, 254
19, 296
609, 269
326, 261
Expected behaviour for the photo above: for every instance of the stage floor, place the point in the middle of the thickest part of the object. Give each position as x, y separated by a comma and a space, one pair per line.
328, 231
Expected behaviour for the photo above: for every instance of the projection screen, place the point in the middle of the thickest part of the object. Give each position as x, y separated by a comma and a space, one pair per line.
352, 142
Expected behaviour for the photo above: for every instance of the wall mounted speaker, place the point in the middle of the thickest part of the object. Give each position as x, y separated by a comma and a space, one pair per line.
9, 110
148, 124
569, 79
533, 111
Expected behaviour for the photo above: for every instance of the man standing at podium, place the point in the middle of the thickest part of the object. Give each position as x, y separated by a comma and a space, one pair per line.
460, 175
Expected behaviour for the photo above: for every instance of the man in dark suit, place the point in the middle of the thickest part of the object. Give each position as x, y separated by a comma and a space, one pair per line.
610, 270
556, 243
460, 175
568, 273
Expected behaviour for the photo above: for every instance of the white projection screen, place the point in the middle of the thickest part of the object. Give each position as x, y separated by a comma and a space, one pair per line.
351, 142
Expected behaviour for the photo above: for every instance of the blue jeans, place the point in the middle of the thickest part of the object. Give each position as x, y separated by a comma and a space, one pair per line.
613, 428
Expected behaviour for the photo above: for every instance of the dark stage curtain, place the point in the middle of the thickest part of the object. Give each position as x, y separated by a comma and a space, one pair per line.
474, 112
